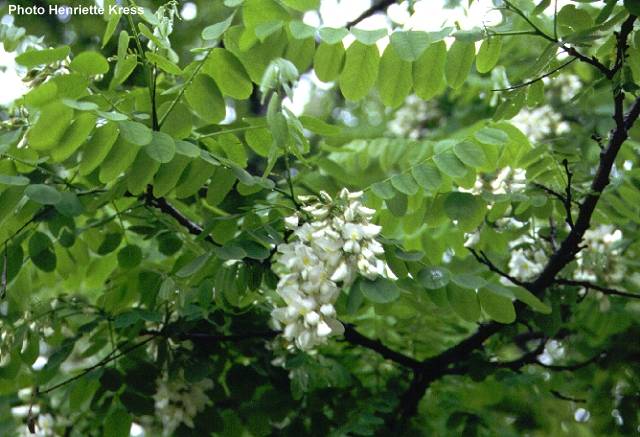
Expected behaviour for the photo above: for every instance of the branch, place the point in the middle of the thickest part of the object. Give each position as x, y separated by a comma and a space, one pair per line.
590, 286
568, 197
539, 78
106, 360
482, 258
571, 245
376, 7
567, 398
164, 206
572, 367
354, 337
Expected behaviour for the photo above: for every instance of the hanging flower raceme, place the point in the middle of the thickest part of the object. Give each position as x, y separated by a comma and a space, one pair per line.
332, 242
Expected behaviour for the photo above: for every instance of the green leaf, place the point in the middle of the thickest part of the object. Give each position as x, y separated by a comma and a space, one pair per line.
468, 280
428, 71
464, 302
433, 278
162, 147
193, 267
129, 256
229, 74
90, 63
427, 176
54, 120
527, 297
449, 164
369, 37
119, 159
117, 423
328, 61
69, 204
98, 147
264, 30
135, 133
360, 71
112, 24
300, 30
470, 154
493, 136
13, 180
141, 173
33, 58
405, 184
163, 63
410, 45
302, 5
488, 54
122, 71
458, 63
381, 290
215, 31
41, 252
332, 35
467, 209
397, 204
74, 136
42, 194
318, 126
499, 308
225, 179
257, 12
205, 98
384, 190
41, 95
395, 78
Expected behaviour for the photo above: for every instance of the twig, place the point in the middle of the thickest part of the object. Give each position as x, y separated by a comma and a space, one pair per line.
3, 281
193, 228
376, 7
590, 286
109, 358
571, 367
482, 258
537, 79
567, 198
567, 398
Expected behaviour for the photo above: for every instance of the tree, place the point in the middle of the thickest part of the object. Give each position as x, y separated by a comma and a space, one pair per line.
443, 242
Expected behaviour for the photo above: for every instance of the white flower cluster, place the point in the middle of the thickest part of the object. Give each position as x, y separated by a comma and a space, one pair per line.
600, 256
178, 401
333, 243
524, 264
567, 85
409, 120
540, 123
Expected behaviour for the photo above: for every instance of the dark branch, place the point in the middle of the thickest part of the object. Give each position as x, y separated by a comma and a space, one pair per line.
567, 398
375, 7
571, 245
164, 206
572, 367
590, 286
568, 197
482, 258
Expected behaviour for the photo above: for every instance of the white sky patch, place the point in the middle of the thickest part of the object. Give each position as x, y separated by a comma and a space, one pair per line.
189, 11
12, 85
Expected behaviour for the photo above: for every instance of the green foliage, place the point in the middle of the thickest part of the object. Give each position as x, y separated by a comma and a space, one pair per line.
140, 236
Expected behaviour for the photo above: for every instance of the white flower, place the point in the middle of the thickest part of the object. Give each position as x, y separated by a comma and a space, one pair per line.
335, 244
177, 401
